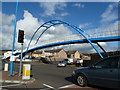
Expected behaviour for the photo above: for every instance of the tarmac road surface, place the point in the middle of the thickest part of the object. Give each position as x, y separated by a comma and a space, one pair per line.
48, 76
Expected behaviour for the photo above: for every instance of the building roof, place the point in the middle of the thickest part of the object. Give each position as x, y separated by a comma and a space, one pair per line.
71, 52
37, 52
85, 54
54, 50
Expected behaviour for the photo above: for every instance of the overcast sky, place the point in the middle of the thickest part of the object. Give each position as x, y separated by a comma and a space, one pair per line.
89, 16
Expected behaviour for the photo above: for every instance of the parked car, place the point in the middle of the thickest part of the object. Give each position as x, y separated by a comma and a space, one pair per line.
105, 73
62, 64
69, 61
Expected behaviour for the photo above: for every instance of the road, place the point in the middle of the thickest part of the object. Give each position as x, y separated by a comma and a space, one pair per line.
48, 76
52, 75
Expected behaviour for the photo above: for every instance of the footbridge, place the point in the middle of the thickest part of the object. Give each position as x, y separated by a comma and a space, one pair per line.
82, 36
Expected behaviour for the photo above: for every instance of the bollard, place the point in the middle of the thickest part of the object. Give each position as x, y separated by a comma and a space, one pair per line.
6, 67
26, 71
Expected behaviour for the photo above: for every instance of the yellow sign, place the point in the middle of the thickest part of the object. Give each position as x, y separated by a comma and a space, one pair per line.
26, 71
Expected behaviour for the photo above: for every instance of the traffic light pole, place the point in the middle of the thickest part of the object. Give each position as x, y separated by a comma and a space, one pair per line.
20, 69
13, 42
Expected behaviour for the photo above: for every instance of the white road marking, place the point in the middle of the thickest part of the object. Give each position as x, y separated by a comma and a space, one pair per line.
66, 86
48, 86
44, 89
11, 85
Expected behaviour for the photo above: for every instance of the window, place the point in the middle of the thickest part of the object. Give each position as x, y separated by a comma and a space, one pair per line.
119, 63
108, 63
66, 59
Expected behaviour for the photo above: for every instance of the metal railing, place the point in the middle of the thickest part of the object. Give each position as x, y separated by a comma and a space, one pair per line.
97, 34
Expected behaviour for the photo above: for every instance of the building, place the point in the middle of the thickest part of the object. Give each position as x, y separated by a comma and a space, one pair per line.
86, 56
59, 53
73, 54
28, 55
7, 54
37, 54
55, 55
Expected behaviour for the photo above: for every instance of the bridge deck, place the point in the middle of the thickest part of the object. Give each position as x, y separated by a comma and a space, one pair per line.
94, 40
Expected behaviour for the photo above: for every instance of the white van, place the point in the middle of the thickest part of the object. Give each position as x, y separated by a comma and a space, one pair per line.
69, 60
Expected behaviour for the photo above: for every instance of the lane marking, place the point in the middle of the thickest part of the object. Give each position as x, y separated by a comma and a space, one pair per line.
49, 86
11, 85
66, 86
45, 89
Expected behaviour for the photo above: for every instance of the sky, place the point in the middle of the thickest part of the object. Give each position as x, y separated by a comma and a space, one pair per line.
89, 16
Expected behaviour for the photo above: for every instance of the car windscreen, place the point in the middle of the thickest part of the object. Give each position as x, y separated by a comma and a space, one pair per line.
111, 62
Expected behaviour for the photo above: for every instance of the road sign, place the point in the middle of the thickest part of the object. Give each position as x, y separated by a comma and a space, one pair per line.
26, 71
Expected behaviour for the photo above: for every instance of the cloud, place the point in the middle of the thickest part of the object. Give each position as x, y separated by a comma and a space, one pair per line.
59, 33
109, 14
6, 19
29, 24
64, 14
82, 26
83, 47
50, 8
79, 5
105, 30
87, 48
7, 36
7, 30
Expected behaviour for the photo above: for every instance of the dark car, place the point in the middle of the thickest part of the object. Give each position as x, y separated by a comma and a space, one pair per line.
105, 73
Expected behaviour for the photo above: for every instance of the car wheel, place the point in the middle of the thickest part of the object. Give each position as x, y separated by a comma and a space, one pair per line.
81, 80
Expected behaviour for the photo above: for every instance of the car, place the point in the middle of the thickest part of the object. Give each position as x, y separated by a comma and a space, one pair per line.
62, 64
105, 73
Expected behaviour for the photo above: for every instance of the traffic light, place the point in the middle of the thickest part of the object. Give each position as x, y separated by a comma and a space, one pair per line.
21, 36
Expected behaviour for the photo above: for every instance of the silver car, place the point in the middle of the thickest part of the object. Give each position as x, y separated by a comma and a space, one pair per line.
62, 64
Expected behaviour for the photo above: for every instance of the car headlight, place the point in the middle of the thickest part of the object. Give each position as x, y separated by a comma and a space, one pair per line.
73, 72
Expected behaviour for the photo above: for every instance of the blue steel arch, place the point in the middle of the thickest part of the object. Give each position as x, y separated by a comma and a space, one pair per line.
48, 24
60, 22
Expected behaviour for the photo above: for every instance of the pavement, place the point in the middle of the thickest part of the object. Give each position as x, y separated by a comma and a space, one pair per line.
6, 78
